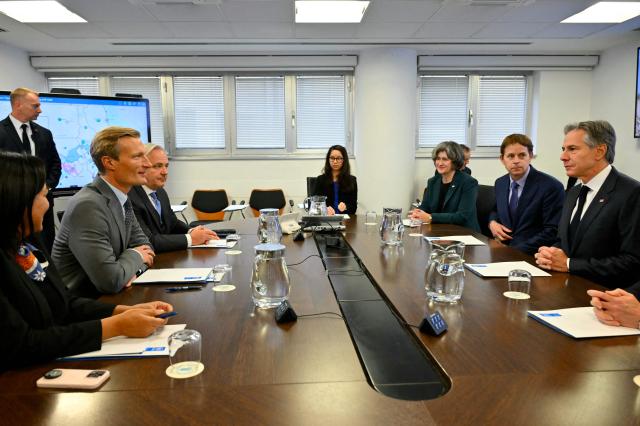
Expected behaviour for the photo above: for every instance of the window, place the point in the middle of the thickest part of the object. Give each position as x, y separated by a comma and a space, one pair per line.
320, 108
260, 112
478, 110
149, 88
86, 85
199, 112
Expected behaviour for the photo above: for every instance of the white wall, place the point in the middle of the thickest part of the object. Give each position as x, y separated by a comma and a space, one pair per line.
16, 70
614, 83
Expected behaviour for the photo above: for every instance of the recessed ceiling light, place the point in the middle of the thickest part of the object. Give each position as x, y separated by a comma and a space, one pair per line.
606, 12
38, 11
327, 11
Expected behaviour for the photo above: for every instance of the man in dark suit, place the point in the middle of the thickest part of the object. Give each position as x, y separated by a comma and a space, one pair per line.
100, 246
528, 202
18, 133
599, 229
153, 210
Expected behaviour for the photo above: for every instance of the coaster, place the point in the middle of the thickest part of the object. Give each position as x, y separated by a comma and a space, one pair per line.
415, 234
233, 252
184, 370
224, 287
371, 223
516, 295
636, 380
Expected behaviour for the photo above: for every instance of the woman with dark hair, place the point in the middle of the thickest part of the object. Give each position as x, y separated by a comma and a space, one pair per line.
451, 194
39, 319
337, 184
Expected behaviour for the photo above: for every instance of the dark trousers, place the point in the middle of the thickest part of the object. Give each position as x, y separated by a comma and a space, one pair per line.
48, 233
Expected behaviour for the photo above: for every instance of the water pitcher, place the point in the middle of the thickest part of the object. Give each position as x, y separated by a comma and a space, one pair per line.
270, 278
444, 275
391, 228
269, 230
316, 205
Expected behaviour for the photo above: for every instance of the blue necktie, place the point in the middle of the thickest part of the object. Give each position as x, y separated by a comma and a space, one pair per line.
513, 202
156, 204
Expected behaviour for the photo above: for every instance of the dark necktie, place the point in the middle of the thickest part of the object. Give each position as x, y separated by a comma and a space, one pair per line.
26, 145
575, 222
513, 202
156, 204
128, 214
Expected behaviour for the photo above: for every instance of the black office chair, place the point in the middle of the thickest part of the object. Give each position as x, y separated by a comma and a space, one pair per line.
266, 199
128, 95
64, 91
484, 205
208, 205
311, 185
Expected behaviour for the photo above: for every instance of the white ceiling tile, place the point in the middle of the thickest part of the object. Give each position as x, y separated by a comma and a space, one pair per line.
108, 10
135, 29
510, 29
571, 30
258, 11
87, 30
459, 12
262, 29
400, 10
325, 30
200, 29
451, 30
544, 11
185, 12
387, 29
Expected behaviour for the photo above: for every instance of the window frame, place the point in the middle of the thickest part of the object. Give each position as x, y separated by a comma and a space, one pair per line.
472, 106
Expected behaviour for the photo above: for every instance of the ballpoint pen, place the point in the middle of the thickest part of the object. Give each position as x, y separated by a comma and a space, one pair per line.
182, 288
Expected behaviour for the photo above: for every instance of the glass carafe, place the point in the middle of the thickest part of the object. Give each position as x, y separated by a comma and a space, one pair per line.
391, 227
269, 230
270, 278
316, 205
444, 275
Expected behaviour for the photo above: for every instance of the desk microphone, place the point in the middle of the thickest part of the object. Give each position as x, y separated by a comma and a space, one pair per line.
291, 204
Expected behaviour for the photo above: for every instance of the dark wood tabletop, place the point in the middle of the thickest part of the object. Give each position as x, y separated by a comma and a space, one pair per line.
503, 366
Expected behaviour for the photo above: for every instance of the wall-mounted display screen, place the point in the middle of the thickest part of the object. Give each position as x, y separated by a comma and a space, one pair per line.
75, 119
636, 133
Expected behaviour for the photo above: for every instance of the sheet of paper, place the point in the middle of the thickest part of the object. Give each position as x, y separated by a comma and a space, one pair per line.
177, 208
217, 244
579, 323
173, 275
121, 346
407, 223
501, 269
235, 207
468, 240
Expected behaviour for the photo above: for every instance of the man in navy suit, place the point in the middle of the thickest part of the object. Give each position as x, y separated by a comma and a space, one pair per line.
153, 210
599, 229
528, 202
19, 133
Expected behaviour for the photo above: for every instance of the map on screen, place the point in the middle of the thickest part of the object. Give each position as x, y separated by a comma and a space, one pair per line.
74, 120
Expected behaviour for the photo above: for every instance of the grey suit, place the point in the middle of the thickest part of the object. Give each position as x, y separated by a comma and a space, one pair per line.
90, 249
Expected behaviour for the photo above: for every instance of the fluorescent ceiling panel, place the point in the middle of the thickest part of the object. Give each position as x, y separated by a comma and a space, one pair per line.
38, 11
606, 12
325, 11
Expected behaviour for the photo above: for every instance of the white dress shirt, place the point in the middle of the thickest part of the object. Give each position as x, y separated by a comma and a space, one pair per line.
18, 126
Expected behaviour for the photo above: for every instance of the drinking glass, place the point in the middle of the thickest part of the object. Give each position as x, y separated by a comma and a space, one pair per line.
184, 354
223, 277
519, 282
371, 218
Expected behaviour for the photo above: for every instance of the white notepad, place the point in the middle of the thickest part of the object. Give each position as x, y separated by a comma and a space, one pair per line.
216, 244
579, 323
133, 347
501, 269
173, 275
468, 240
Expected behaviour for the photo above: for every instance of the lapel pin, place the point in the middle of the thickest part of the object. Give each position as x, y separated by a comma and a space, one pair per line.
601, 200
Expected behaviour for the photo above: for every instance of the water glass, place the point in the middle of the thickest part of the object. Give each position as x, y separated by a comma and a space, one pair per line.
185, 348
519, 282
223, 277
371, 218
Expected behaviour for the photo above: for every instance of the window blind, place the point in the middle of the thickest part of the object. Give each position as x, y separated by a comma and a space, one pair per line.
199, 112
149, 88
260, 116
86, 85
443, 110
502, 105
320, 106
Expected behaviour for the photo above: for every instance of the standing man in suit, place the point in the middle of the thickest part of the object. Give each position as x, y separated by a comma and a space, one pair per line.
599, 230
100, 246
19, 133
153, 209
528, 202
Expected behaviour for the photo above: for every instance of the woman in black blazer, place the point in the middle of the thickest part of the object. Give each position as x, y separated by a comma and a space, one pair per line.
337, 184
39, 319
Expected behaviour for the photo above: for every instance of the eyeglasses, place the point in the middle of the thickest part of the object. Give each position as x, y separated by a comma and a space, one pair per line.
336, 159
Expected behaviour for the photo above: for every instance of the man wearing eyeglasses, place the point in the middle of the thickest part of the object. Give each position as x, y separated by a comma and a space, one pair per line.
153, 210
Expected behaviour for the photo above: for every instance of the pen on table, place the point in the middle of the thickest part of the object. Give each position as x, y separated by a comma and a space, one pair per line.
182, 288
167, 314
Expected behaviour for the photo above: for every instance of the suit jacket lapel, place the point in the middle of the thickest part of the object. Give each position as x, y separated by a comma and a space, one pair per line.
452, 189
151, 210
599, 201
114, 205
527, 193
567, 209
11, 132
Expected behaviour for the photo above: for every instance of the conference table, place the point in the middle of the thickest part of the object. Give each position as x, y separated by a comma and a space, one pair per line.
500, 366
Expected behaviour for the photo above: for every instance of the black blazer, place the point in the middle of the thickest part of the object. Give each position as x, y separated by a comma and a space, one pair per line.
606, 248
539, 210
324, 186
43, 321
459, 203
165, 236
43, 141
